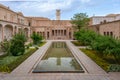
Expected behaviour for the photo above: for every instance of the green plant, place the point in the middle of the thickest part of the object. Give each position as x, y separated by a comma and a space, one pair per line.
4, 68
36, 38
98, 59
17, 44
114, 68
77, 43
5, 46
21, 58
80, 20
8, 63
85, 36
41, 44
107, 46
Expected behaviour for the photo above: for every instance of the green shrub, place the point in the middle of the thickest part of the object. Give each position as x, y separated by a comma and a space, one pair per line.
36, 38
85, 36
8, 63
4, 68
105, 45
77, 43
98, 59
17, 44
17, 62
5, 46
114, 68
41, 44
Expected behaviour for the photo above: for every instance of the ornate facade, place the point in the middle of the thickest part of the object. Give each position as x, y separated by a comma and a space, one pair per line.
52, 29
11, 22
108, 26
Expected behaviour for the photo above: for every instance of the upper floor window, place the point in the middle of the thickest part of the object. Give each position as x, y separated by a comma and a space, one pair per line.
29, 24
108, 33
18, 20
111, 33
105, 33
104, 21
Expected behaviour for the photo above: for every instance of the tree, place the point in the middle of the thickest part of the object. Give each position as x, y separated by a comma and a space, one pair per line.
5, 46
36, 38
85, 36
107, 46
17, 44
80, 20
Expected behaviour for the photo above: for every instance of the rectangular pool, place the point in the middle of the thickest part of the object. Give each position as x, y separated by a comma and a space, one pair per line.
58, 58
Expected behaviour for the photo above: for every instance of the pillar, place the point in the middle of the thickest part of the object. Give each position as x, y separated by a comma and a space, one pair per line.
67, 31
45, 34
13, 33
62, 32
2, 33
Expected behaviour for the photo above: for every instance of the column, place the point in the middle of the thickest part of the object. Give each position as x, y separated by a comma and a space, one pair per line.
2, 33
60, 32
64, 32
45, 33
54, 32
13, 30
57, 32
72, 34
50, 33
16, 29
28, 32
67, 33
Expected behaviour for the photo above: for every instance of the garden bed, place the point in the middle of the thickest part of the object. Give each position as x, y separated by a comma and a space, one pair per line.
77, 43
104, 62
8, 63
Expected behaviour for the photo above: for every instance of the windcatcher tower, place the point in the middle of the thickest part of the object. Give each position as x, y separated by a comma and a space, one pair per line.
58, 14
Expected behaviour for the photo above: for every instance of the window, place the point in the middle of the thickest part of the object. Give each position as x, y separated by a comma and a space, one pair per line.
29, 24
104, 21
111, 33
107, 33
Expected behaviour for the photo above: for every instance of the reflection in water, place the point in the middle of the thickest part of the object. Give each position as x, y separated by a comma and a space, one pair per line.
58, 58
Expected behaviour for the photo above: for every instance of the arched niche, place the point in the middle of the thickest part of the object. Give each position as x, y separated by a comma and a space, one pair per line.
8, 32
1, 32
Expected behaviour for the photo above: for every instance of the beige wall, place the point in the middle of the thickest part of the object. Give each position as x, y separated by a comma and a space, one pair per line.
52, 29
108, 18
11, 22
109, 29
8, 15
112, 27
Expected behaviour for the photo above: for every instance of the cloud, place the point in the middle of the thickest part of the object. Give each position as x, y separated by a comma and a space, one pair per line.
43, 5
46, 8
85, 1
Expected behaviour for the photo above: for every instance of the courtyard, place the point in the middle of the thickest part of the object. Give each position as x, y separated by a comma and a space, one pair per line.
83, 44
92, 70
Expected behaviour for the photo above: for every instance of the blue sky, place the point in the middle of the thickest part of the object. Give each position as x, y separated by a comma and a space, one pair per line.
46, 8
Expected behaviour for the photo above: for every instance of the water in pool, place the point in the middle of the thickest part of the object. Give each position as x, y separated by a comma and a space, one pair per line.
58, 58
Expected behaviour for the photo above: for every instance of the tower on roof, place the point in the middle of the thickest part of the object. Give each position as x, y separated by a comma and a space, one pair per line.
58, 14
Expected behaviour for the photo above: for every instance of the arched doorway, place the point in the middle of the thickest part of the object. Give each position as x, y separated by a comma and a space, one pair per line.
1, 32
8, 32
15, 30
26, 32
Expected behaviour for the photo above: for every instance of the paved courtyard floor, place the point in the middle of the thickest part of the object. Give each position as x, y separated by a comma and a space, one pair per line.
92, 70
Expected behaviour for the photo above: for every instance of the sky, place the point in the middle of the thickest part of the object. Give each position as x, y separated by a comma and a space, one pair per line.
47, 8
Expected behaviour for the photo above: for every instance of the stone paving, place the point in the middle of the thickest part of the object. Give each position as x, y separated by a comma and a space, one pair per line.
92, 70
